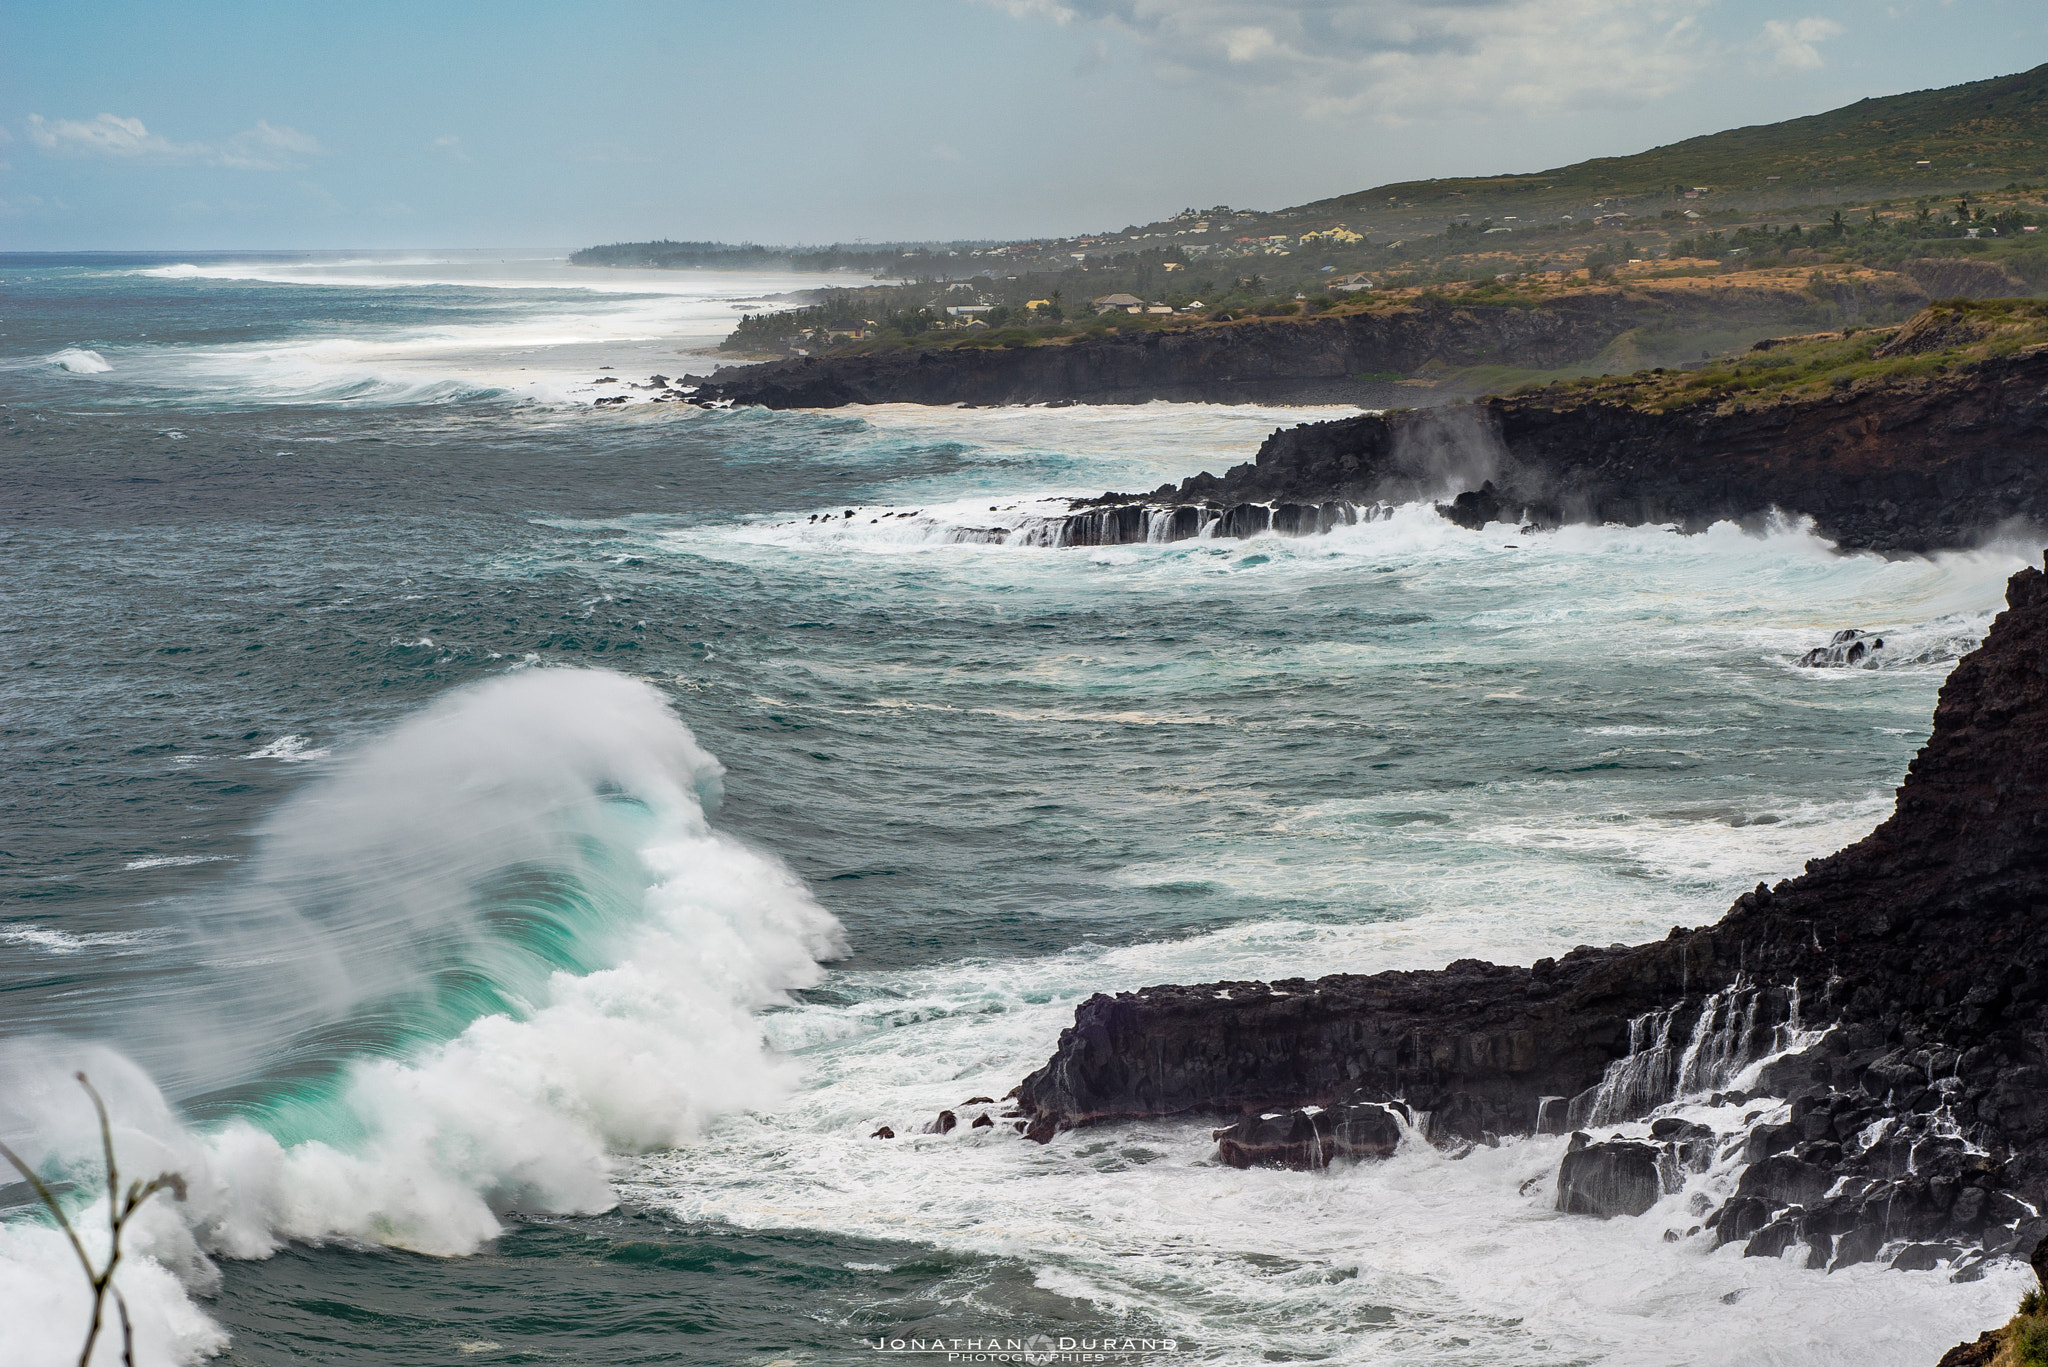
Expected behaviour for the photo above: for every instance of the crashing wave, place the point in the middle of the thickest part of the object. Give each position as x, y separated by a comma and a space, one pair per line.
482, 955
79, 361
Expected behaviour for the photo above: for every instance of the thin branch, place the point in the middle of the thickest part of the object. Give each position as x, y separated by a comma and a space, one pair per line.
118, 1215
106, 1141
49, 1200
127, 1329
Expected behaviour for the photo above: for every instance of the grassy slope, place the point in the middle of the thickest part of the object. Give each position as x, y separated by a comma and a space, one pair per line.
1935, 341
2001, 125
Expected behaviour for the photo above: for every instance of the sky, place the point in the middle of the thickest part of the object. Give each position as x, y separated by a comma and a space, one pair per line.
444, 123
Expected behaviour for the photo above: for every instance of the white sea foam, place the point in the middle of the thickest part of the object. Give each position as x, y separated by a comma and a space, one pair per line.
553, 331
289, 750
174, 861
79, 361
359, 890
55, 941
1424, 1259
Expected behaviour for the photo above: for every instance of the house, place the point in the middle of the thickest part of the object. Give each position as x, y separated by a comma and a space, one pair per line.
1610, 220
968, 310
1034, 305
1156, 308
1128, 302
1350, 284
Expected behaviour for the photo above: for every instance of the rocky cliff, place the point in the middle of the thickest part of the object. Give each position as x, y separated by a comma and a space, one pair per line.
1888, 1009
1318, 359
1911, 464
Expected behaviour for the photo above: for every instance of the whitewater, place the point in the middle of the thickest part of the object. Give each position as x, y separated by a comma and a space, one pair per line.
510, 857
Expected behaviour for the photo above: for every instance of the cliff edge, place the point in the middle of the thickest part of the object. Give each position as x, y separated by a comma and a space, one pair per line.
1888, 1009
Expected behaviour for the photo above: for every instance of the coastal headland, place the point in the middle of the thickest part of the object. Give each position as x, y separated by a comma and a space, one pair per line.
1927, 436
1419, 350
1865, 1045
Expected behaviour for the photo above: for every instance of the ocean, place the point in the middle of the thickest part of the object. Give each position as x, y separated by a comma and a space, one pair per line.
511, 854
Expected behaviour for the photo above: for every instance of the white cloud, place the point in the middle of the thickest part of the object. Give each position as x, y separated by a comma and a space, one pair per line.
1790, 44
265, 147
1404, 59
109, 135
449, 146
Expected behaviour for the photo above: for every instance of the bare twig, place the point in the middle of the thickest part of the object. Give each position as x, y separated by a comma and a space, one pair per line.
119, 1211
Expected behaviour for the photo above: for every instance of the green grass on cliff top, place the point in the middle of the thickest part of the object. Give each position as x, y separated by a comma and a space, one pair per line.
1983, 134
1941, 338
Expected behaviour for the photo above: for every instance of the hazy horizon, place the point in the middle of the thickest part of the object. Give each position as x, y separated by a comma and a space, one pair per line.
912, 120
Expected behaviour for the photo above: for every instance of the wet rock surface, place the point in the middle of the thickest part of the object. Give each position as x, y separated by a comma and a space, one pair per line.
1845, 648
1880, 1024
1310, 1138
1618, 1177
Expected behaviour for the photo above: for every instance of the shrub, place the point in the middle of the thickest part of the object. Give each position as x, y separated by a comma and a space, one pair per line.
2030, 1341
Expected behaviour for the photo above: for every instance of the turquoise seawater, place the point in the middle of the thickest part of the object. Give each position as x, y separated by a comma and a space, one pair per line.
513, 854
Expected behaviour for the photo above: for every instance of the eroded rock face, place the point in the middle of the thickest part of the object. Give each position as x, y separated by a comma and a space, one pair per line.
1920, 1116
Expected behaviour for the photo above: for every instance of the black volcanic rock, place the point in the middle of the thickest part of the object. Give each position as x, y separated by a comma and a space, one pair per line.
1912, 465
1615, 1178
1309, 1139
1920, 1116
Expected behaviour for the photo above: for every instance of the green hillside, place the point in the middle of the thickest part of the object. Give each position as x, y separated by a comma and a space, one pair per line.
1980, 135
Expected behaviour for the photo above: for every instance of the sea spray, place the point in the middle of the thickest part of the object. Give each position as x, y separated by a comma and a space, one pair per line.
496, 946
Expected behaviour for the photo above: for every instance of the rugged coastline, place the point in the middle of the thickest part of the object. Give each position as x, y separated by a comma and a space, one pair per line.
1886, 1014
1926, 437
1340, 357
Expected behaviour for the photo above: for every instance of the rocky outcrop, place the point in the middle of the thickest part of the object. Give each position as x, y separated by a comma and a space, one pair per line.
1615, 1178
1912, 465
1327, 358
1311, 1137
1890, 1005
1950, 277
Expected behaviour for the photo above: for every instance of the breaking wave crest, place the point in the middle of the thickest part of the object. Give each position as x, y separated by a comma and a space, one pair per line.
494, 948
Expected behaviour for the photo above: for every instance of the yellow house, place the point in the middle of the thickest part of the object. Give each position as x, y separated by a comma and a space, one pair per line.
1035, 304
